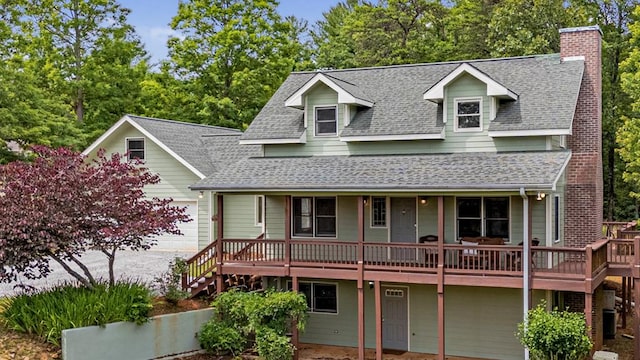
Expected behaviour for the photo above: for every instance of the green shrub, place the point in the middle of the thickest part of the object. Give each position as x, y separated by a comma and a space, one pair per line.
555, 335
169, 283
278, 308
273, 346
68, 306
220, 339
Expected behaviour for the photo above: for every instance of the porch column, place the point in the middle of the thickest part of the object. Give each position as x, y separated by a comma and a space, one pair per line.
378, 300
441, 255
294, 331
287, 235
219, 247
361, 278
526, 262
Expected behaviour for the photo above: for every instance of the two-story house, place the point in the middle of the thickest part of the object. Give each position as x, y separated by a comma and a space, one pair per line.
422, 207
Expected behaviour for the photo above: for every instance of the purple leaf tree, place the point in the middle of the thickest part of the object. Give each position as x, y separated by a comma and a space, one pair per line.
61, 205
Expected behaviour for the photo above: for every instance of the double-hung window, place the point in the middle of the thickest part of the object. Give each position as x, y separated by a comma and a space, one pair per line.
321, 297
135, 148
314, 216
326, 120
468, 114
487, 216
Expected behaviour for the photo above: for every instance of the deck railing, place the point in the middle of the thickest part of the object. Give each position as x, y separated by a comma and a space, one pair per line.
505, 260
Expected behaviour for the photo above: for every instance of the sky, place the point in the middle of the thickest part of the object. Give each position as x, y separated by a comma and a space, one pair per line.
151, 19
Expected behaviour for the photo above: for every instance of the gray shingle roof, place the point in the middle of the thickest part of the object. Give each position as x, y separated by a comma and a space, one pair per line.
205, 147
547, 89
458, 171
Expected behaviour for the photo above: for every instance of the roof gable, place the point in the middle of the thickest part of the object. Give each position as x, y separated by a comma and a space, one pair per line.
494, 88
178, 139
347, 93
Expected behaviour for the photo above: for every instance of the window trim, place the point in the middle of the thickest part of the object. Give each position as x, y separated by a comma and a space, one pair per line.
311, 310
556, 219
483, 217
144, 147
456, 127
315, 120
313, 218
259, 207
386, 212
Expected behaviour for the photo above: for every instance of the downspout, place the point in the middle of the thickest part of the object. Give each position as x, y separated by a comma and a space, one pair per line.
525, 262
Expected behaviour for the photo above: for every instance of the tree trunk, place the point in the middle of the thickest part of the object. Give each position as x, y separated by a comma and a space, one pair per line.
73, 273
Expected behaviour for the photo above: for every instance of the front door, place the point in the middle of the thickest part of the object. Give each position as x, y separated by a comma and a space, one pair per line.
403, 227
395, 318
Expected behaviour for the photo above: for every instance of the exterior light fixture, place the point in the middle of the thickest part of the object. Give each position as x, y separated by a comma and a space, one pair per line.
540, 196
424, 200
201, 195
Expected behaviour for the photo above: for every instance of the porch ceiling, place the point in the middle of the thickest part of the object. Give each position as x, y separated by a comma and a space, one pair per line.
430, 172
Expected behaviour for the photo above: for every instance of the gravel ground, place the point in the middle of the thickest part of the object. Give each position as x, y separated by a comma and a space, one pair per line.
140, 265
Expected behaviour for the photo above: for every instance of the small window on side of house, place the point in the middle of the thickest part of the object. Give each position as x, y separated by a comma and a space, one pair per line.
379, 212
259, 202
135, 148
468, 114
326, 120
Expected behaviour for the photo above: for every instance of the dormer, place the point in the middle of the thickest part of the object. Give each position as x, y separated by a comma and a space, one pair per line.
348, 94
494, 88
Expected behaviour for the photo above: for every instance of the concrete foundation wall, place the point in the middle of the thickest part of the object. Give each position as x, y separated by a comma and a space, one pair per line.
161, 337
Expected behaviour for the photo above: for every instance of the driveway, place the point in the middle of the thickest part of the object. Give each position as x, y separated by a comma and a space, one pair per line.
139, 265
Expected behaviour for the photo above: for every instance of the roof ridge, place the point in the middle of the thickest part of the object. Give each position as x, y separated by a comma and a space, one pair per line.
452, 62
185, 123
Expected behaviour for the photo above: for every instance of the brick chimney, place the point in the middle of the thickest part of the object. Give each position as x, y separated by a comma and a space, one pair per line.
584, 194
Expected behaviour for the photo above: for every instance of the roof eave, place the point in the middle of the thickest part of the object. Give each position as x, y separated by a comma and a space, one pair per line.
494, 88
522, 133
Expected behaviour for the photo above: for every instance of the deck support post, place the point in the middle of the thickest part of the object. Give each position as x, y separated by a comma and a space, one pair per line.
441, 318
588, 292
361, 339
294, 326
287, 235
378, 301
219, 247
635, 271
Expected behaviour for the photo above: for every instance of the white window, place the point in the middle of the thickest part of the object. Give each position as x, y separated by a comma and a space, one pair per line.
135, 148
378, 211
259, 211
314, 216
487, 216
321, 297
468, 114
326, 120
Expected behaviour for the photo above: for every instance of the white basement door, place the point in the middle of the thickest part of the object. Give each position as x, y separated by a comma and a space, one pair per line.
188, 241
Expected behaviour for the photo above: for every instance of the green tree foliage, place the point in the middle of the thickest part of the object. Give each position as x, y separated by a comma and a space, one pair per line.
628, 134
528, 27
390, 32
231, 57
467, 29
614, 18
555, 335
85, 51
30, 114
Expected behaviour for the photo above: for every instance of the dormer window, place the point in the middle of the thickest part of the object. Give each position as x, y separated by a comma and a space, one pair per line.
326, 120
135, 148
468, 114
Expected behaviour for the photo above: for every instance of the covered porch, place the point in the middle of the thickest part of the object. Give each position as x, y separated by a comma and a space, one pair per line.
371, 265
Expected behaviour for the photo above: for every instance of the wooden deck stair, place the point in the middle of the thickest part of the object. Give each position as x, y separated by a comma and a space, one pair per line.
201, 272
